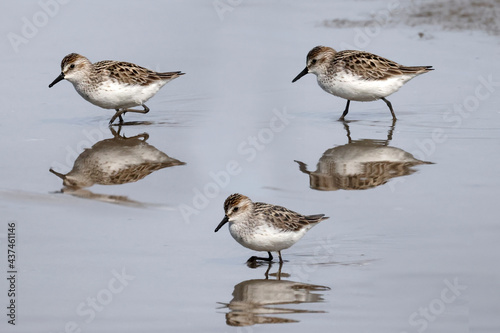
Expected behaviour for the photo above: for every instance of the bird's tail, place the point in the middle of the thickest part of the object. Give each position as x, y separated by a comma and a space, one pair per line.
316, 218
416, 69
170, 75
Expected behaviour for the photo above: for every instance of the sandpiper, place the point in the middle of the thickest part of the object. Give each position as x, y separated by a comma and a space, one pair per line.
113, 84
357, 75
265, 227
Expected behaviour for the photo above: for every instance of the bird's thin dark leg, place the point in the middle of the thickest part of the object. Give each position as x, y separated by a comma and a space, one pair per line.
254, 258
119, 113
281, 259
346, 110
390, 108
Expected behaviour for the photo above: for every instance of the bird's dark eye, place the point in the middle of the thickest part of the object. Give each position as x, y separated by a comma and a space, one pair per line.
71, 66
235, 209
313, 61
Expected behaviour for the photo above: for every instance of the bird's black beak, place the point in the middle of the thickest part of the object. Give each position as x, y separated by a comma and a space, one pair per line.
301, 74
224, 221
59, 78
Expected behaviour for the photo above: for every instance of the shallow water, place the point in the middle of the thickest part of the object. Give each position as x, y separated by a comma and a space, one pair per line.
409, 246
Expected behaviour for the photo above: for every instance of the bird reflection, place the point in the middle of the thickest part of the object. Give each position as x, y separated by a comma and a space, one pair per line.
84, 193
360, 164
114, 161
259, 301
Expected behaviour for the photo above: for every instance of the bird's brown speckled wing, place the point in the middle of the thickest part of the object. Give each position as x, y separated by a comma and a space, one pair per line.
137, 172
373, 67
284, 218
129, 73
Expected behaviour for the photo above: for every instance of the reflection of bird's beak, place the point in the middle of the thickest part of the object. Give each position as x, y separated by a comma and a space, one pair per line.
59, 78
301, 74
60, 175
224, 221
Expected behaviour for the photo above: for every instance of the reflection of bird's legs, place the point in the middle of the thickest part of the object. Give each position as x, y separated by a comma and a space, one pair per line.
143, 136
345, 111
116, 134
254, 258
266, 274
390, 131
346, 127
278, 275
119, 113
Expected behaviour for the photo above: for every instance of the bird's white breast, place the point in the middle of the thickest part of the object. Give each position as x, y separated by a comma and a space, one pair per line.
264, 237
112, 94
353, 87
